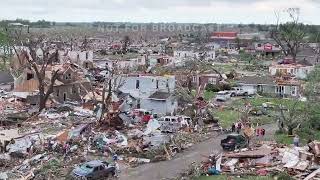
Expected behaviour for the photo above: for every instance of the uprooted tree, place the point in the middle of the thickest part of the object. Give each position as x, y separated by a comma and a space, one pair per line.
111, 85
26, 49
289, 35
291, 116
302, 114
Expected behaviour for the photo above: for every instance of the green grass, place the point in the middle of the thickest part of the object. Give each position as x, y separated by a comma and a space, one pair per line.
304, 137
227, 117
283, 139
223, 177
208, 95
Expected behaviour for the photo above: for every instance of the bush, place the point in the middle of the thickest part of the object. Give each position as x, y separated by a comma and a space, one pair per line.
213, 88
217, 88
224, 87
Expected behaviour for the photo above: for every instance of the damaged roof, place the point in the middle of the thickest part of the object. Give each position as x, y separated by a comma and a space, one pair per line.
257, 80
160, 95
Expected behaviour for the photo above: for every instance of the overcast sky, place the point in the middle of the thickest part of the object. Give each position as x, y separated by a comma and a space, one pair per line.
196, 11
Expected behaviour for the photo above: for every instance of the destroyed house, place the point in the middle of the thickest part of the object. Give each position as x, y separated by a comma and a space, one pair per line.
82, 58
196, 53
266, 48
197, 80
296, 70
69, 86
225, 39
153, 93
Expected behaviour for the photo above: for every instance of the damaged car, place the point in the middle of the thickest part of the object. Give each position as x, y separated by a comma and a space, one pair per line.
95, 169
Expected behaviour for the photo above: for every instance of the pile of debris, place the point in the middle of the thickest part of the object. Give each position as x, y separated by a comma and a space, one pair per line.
266, 160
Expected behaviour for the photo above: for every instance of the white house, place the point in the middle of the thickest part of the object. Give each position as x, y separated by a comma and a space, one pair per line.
153, 93
129, 64
207, 55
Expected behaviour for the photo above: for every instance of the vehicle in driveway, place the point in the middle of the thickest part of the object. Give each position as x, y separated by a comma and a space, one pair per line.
223, 96
95, 169
234, 141
239, 91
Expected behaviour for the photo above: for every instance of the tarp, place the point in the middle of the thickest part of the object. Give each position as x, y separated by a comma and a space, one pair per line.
290, 157
152, 126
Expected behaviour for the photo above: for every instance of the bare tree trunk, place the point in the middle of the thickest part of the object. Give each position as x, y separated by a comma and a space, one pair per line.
42, 100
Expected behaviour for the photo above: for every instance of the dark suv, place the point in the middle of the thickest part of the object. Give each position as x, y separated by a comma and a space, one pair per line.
234, 141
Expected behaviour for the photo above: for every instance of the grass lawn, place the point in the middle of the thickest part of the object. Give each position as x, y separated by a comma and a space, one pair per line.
257, 101
283, 139
208, 95
223, 177
227, 117
304, 137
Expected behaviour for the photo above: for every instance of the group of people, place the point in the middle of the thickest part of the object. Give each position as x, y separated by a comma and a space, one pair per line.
260, 132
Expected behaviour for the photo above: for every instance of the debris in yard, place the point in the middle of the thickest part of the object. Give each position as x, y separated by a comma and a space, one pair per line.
268, 159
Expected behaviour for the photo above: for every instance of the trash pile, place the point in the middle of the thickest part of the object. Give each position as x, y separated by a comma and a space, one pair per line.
54, 141
267, 159
141, 144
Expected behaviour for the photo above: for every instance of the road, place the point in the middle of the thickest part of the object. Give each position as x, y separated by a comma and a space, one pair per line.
172, 168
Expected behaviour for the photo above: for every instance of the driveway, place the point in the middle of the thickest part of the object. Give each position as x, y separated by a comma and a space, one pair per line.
173, 168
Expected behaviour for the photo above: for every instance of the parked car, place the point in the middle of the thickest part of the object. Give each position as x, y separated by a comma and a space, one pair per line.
95, 169
234, 141
169, 124
186, 120
223, 96
239, 91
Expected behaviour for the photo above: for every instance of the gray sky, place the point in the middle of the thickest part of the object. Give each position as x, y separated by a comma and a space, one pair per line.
196, 11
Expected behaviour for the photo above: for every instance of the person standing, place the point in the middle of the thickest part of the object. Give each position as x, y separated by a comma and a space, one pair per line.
263, 132
296, 140
233, 127
239, 128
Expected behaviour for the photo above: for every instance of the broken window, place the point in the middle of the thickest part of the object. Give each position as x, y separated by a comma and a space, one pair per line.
68, 76
87, 55
74, 90
137, 84
157, 84
58, 92
30, 76
293, 90
64, 96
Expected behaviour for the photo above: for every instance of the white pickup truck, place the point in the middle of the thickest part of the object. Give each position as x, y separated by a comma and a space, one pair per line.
238, 91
